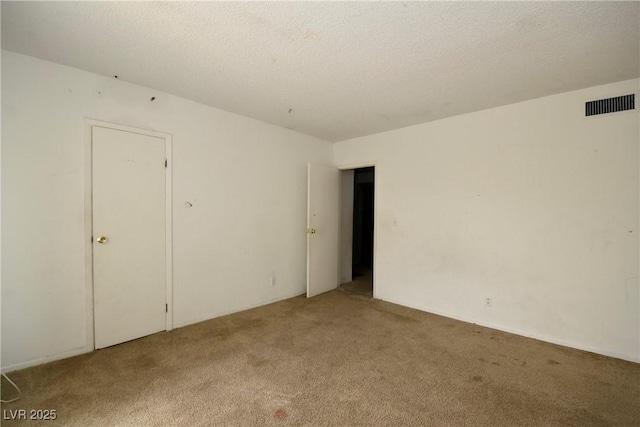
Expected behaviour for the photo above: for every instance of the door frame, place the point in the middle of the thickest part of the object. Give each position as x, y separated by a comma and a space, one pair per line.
353, 166
88, 222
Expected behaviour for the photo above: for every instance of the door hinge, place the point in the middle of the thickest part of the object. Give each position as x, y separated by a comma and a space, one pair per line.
166, 161
166, 308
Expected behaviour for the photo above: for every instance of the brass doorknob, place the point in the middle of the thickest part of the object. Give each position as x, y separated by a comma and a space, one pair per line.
102, 239
311, 231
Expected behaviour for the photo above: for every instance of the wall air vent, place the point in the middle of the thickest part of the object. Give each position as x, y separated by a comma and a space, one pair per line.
610, 105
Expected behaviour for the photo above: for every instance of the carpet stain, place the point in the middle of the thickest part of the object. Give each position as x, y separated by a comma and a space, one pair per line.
552, 362
204, 386
256, 361
60, 400
223, 333
397, 317
322, 323
144, 362
477, 378
251, 324
281, 414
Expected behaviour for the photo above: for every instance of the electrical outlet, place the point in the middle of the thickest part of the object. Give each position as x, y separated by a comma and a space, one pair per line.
273, 281
487, 301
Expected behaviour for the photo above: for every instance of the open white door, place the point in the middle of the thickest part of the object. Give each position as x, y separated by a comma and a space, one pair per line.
323, 222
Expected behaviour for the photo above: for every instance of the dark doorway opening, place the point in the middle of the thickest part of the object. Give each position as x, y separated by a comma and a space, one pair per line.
363, 220
363, 224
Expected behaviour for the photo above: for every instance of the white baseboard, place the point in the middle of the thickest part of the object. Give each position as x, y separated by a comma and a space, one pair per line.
604, 352
47, 359
236, 310
83, 350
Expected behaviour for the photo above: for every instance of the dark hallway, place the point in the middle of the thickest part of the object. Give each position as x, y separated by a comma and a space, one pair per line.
363, 222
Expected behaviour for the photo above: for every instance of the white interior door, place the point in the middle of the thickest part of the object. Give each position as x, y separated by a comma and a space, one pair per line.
323, 222
129, 253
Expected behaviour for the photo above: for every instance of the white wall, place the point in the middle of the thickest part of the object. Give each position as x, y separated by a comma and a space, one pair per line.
246, 181
531, 204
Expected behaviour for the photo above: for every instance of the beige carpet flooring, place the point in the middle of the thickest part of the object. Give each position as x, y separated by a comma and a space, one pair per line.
337, 359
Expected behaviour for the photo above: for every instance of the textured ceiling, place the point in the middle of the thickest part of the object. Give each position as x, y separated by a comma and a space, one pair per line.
338, 70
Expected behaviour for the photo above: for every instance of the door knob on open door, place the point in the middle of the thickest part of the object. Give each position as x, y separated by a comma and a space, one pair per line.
311, 231
102, 239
